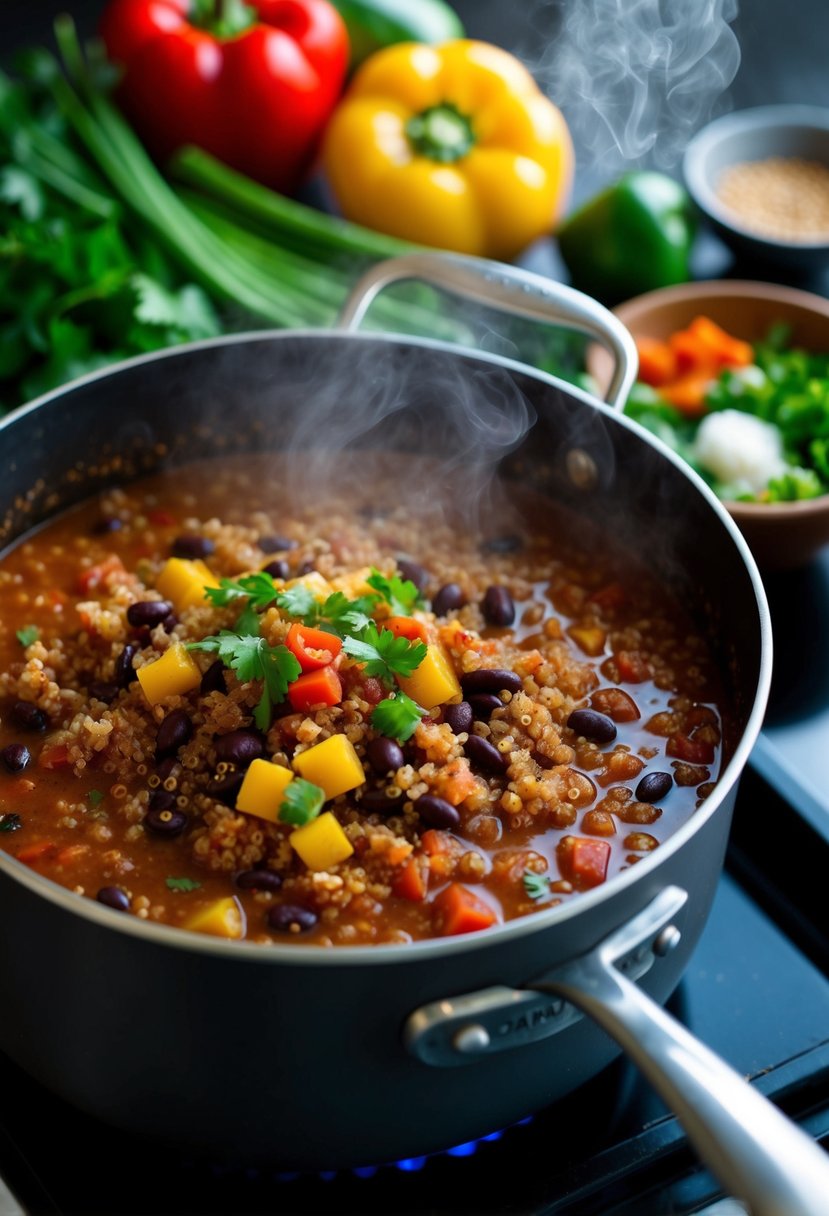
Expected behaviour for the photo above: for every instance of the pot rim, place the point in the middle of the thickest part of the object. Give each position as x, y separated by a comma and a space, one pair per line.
494, 937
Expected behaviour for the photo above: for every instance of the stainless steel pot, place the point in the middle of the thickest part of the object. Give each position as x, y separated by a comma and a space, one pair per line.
353, 1056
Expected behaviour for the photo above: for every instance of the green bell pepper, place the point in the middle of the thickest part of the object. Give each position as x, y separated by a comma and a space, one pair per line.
632, 237
373, 24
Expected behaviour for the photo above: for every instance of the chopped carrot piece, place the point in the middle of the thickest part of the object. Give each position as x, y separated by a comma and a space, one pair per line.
616, 703
37, 851
657, 361
407, 627
411, 881
583, 861
688, 393
720, 347
456, 909
322, 687
71, 853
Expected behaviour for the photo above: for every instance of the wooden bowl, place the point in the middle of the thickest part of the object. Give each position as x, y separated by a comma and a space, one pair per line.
780, 535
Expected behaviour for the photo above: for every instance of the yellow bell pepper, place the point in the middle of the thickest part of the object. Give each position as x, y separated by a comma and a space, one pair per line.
453, 146
174, 673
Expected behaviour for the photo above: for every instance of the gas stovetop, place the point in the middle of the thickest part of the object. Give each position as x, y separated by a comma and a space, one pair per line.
756, 990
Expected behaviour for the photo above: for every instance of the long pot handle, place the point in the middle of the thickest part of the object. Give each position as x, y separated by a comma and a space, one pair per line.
519, 292
754, 1150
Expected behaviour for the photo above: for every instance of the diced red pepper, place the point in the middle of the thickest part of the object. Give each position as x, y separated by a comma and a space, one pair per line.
583, 861
633, 667
456, 910
411, 880
89, 580
313, 648
695, 751
38, 850
322, 687
616, 703
407, 627
56, 756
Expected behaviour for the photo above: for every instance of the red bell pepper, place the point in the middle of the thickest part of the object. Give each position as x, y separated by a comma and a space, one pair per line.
312, 648
322, 687
251, 81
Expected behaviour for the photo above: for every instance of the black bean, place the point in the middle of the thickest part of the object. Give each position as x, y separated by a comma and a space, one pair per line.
169, 623
15, 757
592, 725
109, 523
148, 613
213, 679
378, 802
497, 606
384, 755
125, 673
287, 918
162, 800
102, 691
175, 730
485, 755
653, 786
276, 544
191, 546
437, 812
224, 789
166, 821
239, 747
259, 880
483, 704
502, 544
278, 568
114, 897
306, 567
448, 599
166, 767
491, 679
29, 716
459, 717
413, 571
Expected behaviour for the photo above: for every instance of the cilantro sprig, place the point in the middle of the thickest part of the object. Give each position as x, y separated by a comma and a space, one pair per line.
537, 886
182, 884
401, 594
252, 658
27, 635
336, 614
383, 654
397, 716
258, 589
301, 802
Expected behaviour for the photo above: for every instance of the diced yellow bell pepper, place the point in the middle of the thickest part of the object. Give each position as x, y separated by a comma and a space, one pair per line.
433, 682
174, 673
263, 789
354, 584
319, 587
333, 765
223, 918
183, 582
321, 843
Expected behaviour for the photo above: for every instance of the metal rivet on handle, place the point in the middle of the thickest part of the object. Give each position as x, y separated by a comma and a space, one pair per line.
666, 941
470, 1040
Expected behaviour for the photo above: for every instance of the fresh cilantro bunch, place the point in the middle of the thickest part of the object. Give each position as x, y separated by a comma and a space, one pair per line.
253, 659
383, 654
537, 886
401, 594
301, 802
397, 716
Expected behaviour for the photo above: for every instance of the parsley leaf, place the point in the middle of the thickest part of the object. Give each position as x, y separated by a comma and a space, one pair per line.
401, 594
383, 654
537, 886
397, 716
95, 797
27, 635
253, 659
301, 802
182, 884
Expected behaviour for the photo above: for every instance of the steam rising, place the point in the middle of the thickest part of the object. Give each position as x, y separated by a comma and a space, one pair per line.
637, 78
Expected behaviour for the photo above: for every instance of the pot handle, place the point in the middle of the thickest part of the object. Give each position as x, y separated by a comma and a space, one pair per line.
755, 1151
515, 291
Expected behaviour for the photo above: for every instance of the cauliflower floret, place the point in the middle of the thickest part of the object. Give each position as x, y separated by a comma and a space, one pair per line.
740, 450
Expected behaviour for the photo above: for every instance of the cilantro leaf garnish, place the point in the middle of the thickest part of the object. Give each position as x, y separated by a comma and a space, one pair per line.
301, 802
336, 614
253, 659
27, 635
537, 886
259, 589
182, 884
401, 594
397, 716
95, 797
383, 654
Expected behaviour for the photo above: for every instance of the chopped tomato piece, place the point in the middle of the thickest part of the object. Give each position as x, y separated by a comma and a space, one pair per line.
411, 881
695, 751
313, 648
616, 703
161, 518
456, 909
718, 346
407, 627
56, 756
583, 861
609, 598
96, 576
38, 850
323, 687
633, 667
